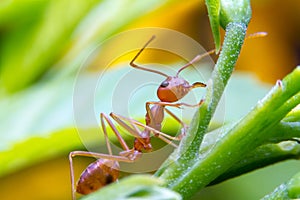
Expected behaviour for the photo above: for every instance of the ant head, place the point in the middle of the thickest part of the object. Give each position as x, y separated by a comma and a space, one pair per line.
172, 89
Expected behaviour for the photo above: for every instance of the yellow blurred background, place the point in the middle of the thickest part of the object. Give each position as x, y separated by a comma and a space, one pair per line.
270, 58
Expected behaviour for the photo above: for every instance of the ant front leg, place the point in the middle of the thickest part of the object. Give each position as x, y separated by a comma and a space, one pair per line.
177, 105
164, 137
130, 153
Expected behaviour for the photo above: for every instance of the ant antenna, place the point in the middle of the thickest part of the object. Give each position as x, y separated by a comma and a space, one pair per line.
199, 57
256, 35
142, 68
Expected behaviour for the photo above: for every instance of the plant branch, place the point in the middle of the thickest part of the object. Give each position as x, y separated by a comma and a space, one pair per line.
184, 157
245, 136
262, 156
289, 190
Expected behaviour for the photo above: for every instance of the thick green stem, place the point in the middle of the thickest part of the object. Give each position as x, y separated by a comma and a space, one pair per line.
288, 128
184, 157
266, 154
260, 157
251, 132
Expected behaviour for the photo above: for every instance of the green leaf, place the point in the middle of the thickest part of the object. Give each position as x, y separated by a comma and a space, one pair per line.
238, 11
41, 44
55, 41
36, 149
137, 187
223, 12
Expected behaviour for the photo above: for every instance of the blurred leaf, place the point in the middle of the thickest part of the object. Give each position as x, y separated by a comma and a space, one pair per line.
30, 134
43, 42
51, 120
40, 44
36, 149
15, 13
137, 187
99, 25
236, 106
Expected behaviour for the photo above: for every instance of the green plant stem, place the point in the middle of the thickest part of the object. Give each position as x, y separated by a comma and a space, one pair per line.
252, 131
262, 156
265, 154
288, 128
188, 151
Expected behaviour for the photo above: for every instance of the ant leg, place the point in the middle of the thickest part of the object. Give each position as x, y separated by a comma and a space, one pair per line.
177, 105
160, 134
72, 176
114, 129
135, 132
129, 153
149, 114
175, 117
183, 125
99, 155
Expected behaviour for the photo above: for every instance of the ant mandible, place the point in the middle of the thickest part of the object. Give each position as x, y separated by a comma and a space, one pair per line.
105, 169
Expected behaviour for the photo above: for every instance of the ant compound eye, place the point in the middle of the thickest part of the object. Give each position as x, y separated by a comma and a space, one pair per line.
164, 84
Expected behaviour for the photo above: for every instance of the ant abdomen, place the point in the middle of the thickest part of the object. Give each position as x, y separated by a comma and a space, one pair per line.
98, 174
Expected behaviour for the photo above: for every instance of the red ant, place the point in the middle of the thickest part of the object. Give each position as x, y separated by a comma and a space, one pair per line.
105, 170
